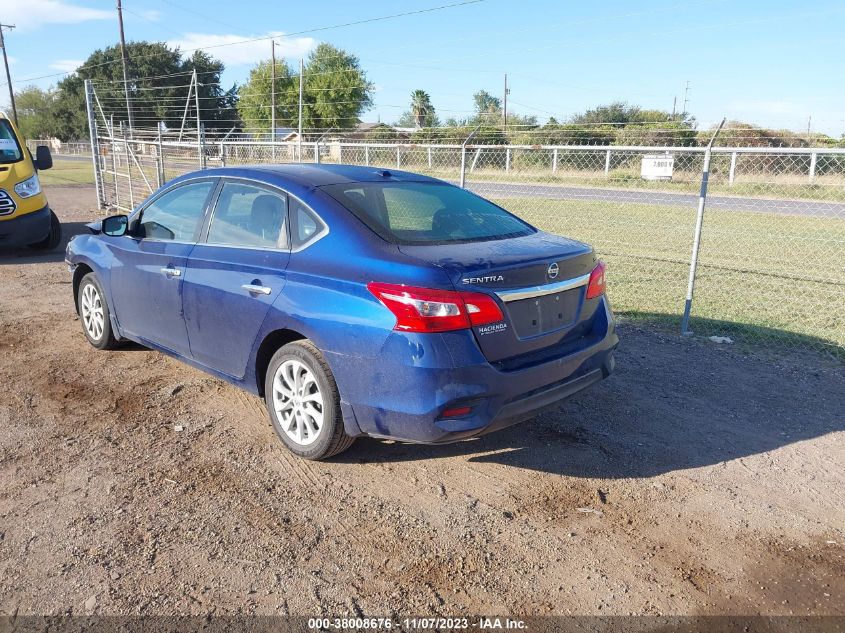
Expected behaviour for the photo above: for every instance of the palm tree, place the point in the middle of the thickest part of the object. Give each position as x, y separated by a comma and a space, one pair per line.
420, 107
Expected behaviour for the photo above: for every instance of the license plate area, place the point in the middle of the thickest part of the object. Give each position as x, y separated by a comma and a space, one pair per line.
549, 313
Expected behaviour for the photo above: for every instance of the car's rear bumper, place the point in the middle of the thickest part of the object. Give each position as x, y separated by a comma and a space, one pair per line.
25, 229
405, 400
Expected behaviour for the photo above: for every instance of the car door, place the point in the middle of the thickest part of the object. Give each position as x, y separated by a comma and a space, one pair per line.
236, 273
149, 267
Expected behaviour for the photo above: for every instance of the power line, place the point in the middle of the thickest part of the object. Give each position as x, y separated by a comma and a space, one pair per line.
8, 75
303, 32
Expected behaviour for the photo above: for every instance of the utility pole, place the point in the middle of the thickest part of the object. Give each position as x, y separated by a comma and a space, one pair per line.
200, 137
125, 75
809, 123
299, 139
674, 107
8, 75
686, 99
273, 98
505, 103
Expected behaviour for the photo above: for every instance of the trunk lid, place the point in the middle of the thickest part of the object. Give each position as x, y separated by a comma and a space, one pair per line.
539, 281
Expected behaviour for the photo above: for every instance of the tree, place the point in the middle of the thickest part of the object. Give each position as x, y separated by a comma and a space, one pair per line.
336, 89
158, 89
486, 104
35, 112
254, 97
421, 114
421, 108
335, 92
617, 112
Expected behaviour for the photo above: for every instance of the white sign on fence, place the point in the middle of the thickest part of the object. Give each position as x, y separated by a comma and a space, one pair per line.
657, 167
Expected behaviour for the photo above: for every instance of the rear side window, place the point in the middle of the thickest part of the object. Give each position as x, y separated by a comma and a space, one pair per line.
305, 226
177, 214
10, 149
427, 213
250, 216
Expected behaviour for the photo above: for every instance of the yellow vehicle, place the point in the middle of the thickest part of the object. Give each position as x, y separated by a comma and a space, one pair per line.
25, 217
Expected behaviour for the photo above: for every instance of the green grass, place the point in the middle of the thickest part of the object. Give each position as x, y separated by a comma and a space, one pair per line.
68, 172
760, 275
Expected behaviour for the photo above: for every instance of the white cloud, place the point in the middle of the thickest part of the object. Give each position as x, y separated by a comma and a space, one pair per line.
233, 51
66, 65
150, 14
33, 14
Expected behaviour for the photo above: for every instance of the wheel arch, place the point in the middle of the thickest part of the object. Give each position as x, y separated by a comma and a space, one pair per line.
78, 273
271, 343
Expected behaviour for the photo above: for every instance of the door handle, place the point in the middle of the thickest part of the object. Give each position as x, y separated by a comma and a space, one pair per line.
171, 272
257, 290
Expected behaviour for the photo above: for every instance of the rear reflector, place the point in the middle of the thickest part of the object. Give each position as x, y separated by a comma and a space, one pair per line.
432, 310
456, 412
596, 285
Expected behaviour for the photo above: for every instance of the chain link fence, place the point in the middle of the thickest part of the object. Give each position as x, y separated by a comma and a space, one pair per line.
771, 262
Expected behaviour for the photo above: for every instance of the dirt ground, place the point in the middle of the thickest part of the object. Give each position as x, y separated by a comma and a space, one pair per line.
699, 479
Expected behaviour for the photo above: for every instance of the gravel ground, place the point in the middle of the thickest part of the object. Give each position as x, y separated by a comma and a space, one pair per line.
699, 479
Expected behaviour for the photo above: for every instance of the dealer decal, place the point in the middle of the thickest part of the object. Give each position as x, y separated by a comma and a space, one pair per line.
492, 329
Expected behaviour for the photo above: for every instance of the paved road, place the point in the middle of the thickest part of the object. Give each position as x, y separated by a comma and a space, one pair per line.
621, 196
735, 203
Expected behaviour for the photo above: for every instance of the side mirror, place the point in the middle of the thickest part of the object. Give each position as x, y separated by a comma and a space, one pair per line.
43, 157
115, 225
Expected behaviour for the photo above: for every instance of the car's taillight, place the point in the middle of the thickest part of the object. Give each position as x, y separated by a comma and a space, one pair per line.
431, 310
596, 286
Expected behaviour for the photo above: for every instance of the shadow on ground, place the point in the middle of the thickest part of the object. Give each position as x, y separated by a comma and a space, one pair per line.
673, 404
22, 256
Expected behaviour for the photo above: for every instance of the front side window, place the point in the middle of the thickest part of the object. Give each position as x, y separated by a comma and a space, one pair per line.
249, 216
10, 149
177, 214
427, 212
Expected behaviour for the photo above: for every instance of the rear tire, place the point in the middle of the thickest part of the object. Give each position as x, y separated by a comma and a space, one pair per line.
93, 313
54, 237
304, 403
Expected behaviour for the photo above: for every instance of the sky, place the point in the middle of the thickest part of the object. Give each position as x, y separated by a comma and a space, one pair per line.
774, 63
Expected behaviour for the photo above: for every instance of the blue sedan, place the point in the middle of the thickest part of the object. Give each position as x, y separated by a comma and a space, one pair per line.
355, 301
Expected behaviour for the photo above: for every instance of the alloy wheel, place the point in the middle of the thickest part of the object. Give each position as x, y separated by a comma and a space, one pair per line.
93, 315
298, 402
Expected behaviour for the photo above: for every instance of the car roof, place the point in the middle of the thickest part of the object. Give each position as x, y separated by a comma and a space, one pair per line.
318, 175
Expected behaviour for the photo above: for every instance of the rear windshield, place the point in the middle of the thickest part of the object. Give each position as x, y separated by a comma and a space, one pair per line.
10, 149
426, 212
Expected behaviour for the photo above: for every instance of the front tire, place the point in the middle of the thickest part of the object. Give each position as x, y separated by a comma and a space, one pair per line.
304, 403
54, 237
94, 313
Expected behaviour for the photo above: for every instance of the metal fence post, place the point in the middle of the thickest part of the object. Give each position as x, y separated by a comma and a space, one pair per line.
554, 160
128, 166
160, 161
732, 172
114, 165
317, 151
367, 155
813, 158
95, 148
507, 159
607, 163
398, 156
222, 154
696, 242
201, 145
429, 156
464, 156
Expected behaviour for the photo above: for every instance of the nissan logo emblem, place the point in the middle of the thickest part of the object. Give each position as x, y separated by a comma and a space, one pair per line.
553, 270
